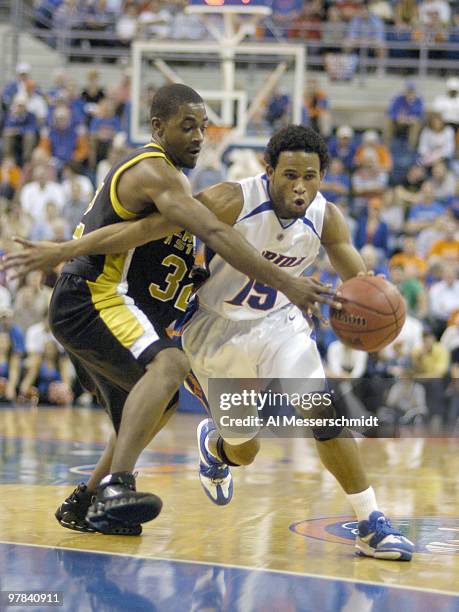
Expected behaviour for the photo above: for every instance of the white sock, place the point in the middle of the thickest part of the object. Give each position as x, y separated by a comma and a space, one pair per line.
363, 503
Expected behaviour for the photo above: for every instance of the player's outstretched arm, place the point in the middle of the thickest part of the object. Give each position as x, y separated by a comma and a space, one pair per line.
336, 240
171, 193
115, 238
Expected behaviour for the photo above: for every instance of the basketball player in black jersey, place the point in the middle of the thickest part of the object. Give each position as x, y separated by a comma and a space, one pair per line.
110, 311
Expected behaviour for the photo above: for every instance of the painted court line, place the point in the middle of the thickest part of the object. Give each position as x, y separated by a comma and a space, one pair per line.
243, 567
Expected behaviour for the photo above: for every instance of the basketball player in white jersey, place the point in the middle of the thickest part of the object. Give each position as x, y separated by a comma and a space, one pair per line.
243, 329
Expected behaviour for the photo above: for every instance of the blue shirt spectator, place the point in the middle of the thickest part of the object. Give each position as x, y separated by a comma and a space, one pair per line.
366, 27
406, 106
371, 230
20, 121
277, 107
336, 183
105, 127
344, 146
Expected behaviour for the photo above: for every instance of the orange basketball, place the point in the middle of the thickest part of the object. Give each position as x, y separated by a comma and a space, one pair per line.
372, 315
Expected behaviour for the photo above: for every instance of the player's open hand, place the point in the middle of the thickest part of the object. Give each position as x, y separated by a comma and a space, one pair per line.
308, 293
34, 256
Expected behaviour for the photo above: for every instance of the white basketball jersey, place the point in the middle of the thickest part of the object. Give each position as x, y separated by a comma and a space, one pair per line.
290, 244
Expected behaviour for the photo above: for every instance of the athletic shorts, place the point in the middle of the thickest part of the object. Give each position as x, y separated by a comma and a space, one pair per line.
110, 345
278, 346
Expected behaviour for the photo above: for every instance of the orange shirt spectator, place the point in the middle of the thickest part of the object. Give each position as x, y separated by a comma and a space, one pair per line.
409, 257
370, 140
446, 249
402, 259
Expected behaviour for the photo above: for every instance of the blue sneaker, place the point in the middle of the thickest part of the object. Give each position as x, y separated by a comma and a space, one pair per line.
215, 476
377, 538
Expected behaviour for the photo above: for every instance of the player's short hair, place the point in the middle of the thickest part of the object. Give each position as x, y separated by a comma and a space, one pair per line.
169, 98
297, 138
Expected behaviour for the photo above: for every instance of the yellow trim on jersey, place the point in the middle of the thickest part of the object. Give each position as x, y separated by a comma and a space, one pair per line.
111, 305
117, 206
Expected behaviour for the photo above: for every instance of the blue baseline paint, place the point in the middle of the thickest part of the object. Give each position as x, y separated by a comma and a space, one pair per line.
104, 582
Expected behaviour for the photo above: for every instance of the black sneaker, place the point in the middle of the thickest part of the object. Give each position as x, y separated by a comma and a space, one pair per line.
116, 499
72, 515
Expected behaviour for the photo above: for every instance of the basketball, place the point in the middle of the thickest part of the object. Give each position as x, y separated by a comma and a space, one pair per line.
372, 314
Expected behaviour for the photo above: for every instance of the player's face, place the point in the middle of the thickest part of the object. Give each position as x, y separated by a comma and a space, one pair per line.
294, 182
182, 135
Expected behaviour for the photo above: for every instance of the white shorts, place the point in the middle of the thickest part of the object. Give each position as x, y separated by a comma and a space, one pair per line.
276, 346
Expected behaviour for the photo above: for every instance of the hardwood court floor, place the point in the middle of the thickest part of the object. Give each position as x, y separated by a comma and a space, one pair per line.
288, 518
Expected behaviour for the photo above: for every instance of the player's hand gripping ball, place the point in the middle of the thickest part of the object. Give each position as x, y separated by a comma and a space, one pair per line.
372, 314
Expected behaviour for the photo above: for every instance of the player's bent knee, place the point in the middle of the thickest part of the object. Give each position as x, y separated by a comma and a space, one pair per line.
171, 366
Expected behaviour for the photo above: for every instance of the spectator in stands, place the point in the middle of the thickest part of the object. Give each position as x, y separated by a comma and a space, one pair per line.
51, 376
10, 367
369, 180
405, 116
373, 260
35, 195
187, 27
75, 205
63, 140
92, 94
450, 337
318, 108
40, 157
410, 337
14, 223
37, 341
446, 247
306, 25
154, 20
424, 213
447, 105
370, 142
278, 110
10, 177
20, 131
409, 256
72, 175
436, 142
428, 8
367, 31
431, 234
344, 362
414, 292
443, 183
72, 99
16, 340
370, 229
116, 152
45, 229
67, 16
406, 13
102, 129
409, 192
444, 298
336, 183
18, 86
36, 103
31, 302
333, 30
127, 26
58, 88
430, 365
408, 399
97, 16
344, 146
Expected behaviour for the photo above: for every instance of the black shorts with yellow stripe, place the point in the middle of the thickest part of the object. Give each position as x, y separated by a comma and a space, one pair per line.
110, 346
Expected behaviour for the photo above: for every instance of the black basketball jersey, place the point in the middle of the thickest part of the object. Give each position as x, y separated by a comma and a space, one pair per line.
155, 275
